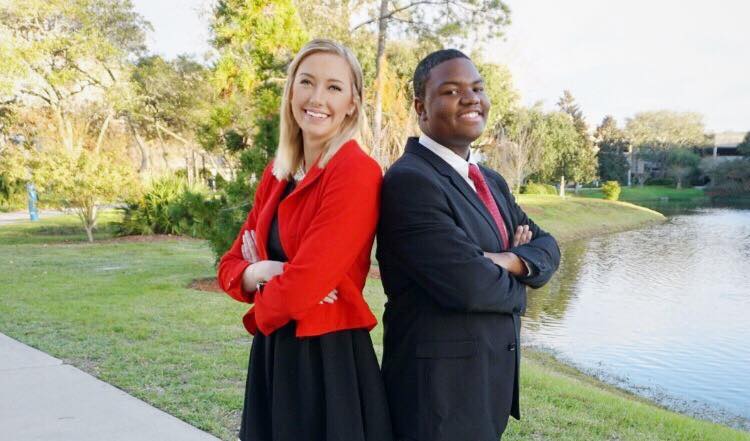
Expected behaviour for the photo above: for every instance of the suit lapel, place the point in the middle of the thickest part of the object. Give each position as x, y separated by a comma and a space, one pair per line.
413, 146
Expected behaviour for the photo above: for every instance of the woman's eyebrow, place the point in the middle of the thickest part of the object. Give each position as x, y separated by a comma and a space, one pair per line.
335, 80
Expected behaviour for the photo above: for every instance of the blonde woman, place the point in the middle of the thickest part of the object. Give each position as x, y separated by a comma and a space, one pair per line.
302, 258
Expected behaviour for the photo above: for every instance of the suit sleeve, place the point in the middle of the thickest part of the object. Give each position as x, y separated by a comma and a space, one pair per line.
542, 254
419, 230
343, 225
232, 265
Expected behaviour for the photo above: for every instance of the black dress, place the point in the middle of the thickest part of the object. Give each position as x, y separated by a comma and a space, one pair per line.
325, 388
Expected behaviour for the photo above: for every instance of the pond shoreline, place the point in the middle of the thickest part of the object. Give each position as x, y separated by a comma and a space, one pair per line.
608, 381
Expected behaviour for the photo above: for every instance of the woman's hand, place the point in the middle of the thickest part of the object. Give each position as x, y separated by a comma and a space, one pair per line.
260, 272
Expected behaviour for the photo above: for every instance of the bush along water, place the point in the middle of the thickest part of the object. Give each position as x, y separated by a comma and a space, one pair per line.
611, 190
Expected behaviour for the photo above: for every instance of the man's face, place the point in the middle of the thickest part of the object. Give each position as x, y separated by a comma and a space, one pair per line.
455, 108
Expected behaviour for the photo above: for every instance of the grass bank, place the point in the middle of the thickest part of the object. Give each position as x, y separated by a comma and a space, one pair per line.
576, 217
121, 310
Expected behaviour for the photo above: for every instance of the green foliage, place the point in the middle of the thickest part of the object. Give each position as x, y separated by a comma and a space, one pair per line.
744, 147
169, 94
150, 213
681, 163
666, 129
532, 188
612, 145
55, 50
256, 40
661, 181
81, 182
611, 190
731, 176
564, 154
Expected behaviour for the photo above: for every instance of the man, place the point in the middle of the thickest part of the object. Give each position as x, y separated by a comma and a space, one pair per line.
456, 254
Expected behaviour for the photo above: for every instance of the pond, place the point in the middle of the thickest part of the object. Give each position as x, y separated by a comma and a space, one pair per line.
663, 311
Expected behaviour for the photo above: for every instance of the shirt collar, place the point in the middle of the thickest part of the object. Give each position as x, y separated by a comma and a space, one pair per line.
461, 165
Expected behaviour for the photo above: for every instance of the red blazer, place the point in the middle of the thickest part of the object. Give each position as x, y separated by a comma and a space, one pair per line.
327, 228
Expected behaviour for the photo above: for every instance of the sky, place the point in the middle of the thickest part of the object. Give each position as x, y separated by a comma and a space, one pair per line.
616, 57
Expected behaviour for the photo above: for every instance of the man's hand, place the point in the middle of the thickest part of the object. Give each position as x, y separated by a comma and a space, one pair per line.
523, 235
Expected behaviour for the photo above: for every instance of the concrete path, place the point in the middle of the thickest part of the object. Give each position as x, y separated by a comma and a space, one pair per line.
20, 216
43, 399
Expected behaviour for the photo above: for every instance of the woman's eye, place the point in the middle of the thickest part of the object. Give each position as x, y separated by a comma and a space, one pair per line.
336, 88
305, 81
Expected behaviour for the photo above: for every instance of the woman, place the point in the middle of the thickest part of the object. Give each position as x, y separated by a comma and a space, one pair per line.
302, 258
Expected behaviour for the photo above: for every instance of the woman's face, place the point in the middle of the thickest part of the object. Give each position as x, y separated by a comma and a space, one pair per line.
322, 96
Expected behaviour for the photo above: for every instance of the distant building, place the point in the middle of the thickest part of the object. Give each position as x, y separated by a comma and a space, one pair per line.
725, 145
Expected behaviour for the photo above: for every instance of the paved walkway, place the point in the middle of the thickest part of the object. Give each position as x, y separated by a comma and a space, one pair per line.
43, 399
17, 216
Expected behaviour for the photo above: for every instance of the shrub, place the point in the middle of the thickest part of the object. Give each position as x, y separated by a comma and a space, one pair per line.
150, 212
611, 190
661, 181
732, 177
532, 188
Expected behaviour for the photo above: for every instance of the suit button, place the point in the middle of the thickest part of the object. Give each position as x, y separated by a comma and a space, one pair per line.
512, 347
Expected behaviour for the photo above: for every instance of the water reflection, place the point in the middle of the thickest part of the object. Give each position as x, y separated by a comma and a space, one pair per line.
663, 311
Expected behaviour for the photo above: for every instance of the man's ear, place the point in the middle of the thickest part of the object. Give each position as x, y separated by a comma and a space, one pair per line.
419, 108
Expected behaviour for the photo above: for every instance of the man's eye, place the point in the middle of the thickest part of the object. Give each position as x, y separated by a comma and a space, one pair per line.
451, 92
479, 89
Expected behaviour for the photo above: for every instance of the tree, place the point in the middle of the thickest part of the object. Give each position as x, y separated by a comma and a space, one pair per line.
515, 145
60, 56
256, 41
437, 21
582, 151
563, 158
81, 182
744, 147
612, 148
681, 163
652, 134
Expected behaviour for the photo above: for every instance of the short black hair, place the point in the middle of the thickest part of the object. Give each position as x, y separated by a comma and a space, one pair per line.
422, 72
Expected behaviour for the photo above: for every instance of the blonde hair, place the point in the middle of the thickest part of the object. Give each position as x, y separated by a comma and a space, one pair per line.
290, 152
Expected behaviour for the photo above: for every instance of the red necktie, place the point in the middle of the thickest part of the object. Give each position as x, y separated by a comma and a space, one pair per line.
484, 194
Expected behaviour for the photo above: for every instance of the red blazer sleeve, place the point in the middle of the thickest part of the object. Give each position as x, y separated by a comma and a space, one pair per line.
232, 265
343, 225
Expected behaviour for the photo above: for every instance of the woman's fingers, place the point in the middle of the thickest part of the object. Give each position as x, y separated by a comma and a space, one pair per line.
245, 249
331, 297
249, 250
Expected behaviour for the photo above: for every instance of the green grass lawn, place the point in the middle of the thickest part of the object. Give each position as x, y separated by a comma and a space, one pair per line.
649, 193
121, 311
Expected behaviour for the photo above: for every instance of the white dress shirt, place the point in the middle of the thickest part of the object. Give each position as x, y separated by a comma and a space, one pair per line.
461, 165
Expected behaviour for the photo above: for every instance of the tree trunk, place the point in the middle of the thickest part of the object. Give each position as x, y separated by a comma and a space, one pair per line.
141, 147
377, 122
562, 186
102, 132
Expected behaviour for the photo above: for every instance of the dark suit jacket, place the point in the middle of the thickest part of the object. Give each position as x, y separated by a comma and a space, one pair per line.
451, 323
